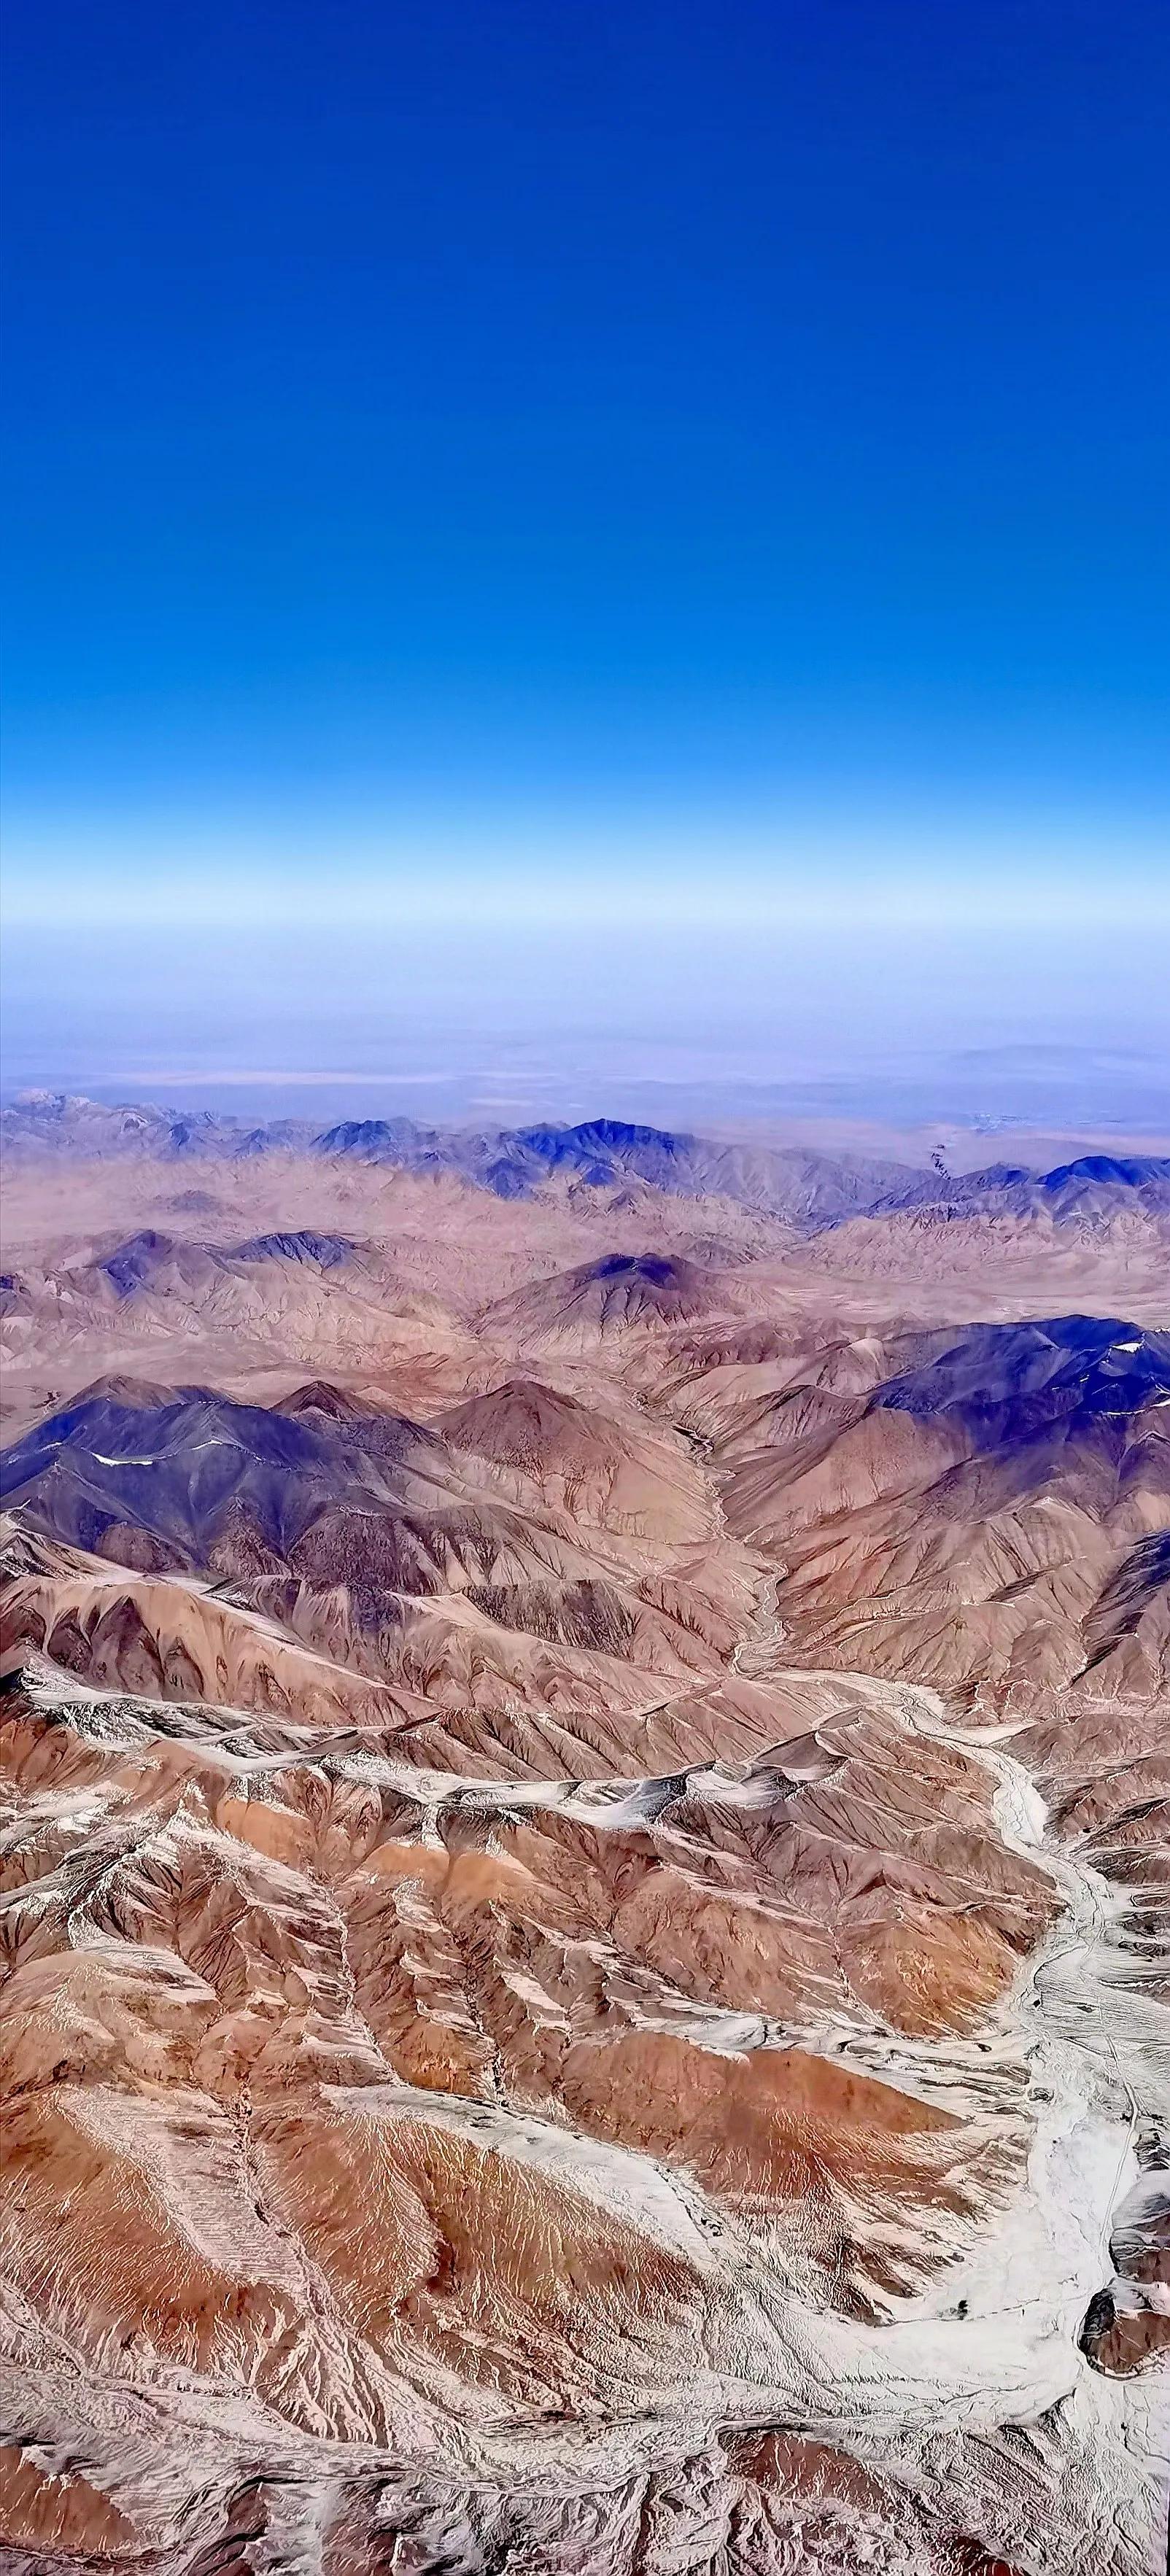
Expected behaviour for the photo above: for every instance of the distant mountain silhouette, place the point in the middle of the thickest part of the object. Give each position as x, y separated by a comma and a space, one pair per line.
806, 1189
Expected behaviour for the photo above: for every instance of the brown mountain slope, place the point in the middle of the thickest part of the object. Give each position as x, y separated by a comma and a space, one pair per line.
586, 1461
957, 1508
515, 1986
622, 1294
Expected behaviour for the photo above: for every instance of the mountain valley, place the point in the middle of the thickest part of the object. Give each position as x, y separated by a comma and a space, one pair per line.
586, 1885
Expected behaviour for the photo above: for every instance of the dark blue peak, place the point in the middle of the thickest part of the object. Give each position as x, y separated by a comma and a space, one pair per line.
614, 1136
328, 1250
136, 1261
506, 1180
184, 1467
991, 1176
387, 1136
552, 1144
1125, 1171
606, 1139
1008, 1382
1145, 1569
353, 1132
118, 1434
655, 1268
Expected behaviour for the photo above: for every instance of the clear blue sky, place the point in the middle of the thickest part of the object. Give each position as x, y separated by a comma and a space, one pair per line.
624, 441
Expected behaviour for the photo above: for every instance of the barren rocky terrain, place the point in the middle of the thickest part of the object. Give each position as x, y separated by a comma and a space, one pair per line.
585, 1872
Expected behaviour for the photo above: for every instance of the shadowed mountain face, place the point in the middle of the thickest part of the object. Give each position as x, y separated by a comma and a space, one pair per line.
338, 1515
1008, 1385
966, 1516
182, 1470
624, 1292
583, 1872
149, 1260
327, 1250
1084, 1191
327, 1492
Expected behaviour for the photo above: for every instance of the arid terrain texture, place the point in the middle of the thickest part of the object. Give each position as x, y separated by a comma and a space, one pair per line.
585, 1751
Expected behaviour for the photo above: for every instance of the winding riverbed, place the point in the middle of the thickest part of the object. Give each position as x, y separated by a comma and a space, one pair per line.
1098, 2055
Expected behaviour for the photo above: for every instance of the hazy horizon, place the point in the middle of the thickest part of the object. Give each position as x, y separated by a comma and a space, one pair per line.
589, 557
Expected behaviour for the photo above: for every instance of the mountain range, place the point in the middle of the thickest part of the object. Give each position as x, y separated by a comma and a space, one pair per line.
584, 1875
803, 1188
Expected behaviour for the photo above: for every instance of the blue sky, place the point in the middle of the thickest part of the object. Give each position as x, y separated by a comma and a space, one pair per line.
540, 463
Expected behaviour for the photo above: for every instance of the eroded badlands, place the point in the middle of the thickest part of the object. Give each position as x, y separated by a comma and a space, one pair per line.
585, 1866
